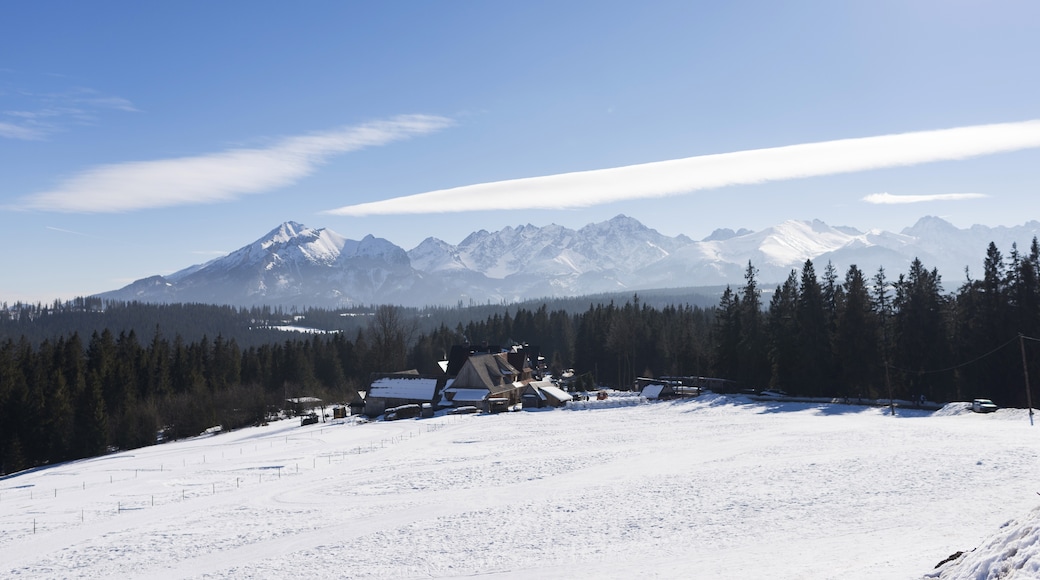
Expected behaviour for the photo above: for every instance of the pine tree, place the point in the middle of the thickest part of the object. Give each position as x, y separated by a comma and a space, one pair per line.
814, 373
920, 334
726, 336
784, 355
753, 355
856, 341
92, 420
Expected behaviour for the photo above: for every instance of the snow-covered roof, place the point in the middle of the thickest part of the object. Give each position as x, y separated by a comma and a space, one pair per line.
466, 395
556, 393
653, 390
403, 388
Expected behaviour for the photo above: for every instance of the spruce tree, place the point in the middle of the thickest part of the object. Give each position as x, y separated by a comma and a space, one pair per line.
814, 372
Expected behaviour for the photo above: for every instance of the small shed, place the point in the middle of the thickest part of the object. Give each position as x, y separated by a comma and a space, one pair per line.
556, 396
538, 394
653, 389
357, 406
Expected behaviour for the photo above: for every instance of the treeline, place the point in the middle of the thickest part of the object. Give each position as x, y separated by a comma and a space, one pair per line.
611, 344
70, 398
71, 394
248, 326
257, 325
877, 338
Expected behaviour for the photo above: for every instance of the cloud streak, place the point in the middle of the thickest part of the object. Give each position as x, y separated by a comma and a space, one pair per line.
682, 176
889, 199
22, 132
221, 176
45, 114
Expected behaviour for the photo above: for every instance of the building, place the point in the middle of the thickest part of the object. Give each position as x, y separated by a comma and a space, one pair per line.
538, 394
490, 381
401, 389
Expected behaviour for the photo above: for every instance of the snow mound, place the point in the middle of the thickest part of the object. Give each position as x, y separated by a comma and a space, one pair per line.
1005, 414
951, 409
1021, 415
1013, 552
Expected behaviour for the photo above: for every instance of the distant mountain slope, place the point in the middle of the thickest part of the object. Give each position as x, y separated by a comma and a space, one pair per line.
297, 265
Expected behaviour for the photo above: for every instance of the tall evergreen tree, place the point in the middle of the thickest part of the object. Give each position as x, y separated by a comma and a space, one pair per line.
727, 334
784, 353
753, 356
856, 343
920, 333
815, 370
626, 334
92, 420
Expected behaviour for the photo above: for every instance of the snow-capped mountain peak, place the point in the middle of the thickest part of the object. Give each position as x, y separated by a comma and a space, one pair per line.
295, 264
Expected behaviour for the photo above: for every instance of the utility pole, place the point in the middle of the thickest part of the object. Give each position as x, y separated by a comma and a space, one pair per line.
1025, 372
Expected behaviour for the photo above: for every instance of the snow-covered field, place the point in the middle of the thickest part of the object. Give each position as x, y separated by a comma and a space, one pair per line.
713, 487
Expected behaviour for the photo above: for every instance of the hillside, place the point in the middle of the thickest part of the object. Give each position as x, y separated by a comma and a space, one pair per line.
722, 486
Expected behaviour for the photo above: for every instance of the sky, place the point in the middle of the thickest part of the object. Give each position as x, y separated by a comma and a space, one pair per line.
141, 138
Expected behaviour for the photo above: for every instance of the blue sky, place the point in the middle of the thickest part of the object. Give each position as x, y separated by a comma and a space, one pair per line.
138, 138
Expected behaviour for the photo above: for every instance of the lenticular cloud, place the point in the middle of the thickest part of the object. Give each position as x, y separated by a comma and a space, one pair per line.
220, 176
679, 176
889, 199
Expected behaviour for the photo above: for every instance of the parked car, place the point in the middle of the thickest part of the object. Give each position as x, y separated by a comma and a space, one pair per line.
309, 419
983, 406
776, 393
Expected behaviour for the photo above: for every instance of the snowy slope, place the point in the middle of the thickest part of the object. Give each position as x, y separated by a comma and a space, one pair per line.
713, 487
1011, 553
292, 264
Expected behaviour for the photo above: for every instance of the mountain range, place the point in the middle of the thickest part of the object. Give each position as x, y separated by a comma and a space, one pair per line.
297, 265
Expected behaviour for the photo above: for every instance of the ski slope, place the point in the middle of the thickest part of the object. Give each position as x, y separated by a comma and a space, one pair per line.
713, 487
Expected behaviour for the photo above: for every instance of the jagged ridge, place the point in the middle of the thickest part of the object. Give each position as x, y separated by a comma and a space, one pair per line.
297, 265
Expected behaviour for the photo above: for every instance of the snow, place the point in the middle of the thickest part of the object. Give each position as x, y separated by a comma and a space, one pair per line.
300, 329
317, 266
652, 391
1014, 552
555, 392
711, 487
403, 388
461, 395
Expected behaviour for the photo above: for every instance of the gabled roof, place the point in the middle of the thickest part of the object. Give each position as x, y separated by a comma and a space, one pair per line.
416, 388
557, 393
656, 390
489, 371
465, 395
546, 390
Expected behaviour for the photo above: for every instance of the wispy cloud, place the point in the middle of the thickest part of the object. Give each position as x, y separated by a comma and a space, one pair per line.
41, 115
22, 131
888, 198
680, 176
73, 232
220, 176
84, 235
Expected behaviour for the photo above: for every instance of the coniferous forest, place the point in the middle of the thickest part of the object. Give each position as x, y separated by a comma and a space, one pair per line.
78, 379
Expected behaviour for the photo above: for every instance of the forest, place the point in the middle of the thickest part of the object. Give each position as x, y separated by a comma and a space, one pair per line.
84, 377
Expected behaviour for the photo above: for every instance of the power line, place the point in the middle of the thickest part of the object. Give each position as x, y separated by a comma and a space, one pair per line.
966, 363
